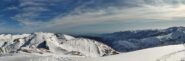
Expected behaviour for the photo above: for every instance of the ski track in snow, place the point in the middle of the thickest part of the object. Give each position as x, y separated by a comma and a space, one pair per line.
174, 56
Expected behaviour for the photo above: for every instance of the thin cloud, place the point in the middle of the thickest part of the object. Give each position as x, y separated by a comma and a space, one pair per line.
146, 12
165, 11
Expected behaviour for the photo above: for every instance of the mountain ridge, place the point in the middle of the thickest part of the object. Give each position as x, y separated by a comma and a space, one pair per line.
44, 43
126, 41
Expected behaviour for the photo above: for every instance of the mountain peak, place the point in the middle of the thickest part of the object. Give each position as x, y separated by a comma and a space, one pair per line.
43, 42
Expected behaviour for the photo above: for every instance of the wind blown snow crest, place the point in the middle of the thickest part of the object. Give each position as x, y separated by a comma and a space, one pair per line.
49, 43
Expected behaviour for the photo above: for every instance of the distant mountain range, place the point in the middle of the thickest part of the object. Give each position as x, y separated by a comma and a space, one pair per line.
139, 39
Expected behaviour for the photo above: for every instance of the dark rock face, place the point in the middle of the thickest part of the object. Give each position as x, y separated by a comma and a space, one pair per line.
43, 45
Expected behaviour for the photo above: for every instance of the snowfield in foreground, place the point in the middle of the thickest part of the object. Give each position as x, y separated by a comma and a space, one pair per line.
166, 53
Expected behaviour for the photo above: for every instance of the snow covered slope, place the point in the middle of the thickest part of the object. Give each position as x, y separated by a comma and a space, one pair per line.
166, 53
88, 47
41, 46
44, 43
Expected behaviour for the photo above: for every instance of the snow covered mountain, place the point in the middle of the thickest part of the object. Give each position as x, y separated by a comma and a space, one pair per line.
49, 43
165, 53
139, 39
42, 46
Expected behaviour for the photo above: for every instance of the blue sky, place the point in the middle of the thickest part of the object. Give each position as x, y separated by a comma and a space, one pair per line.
89, 16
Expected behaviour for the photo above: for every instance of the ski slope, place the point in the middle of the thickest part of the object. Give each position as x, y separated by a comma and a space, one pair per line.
166, 53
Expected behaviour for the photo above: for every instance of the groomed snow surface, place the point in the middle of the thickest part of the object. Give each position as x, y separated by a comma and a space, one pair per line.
166, 53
